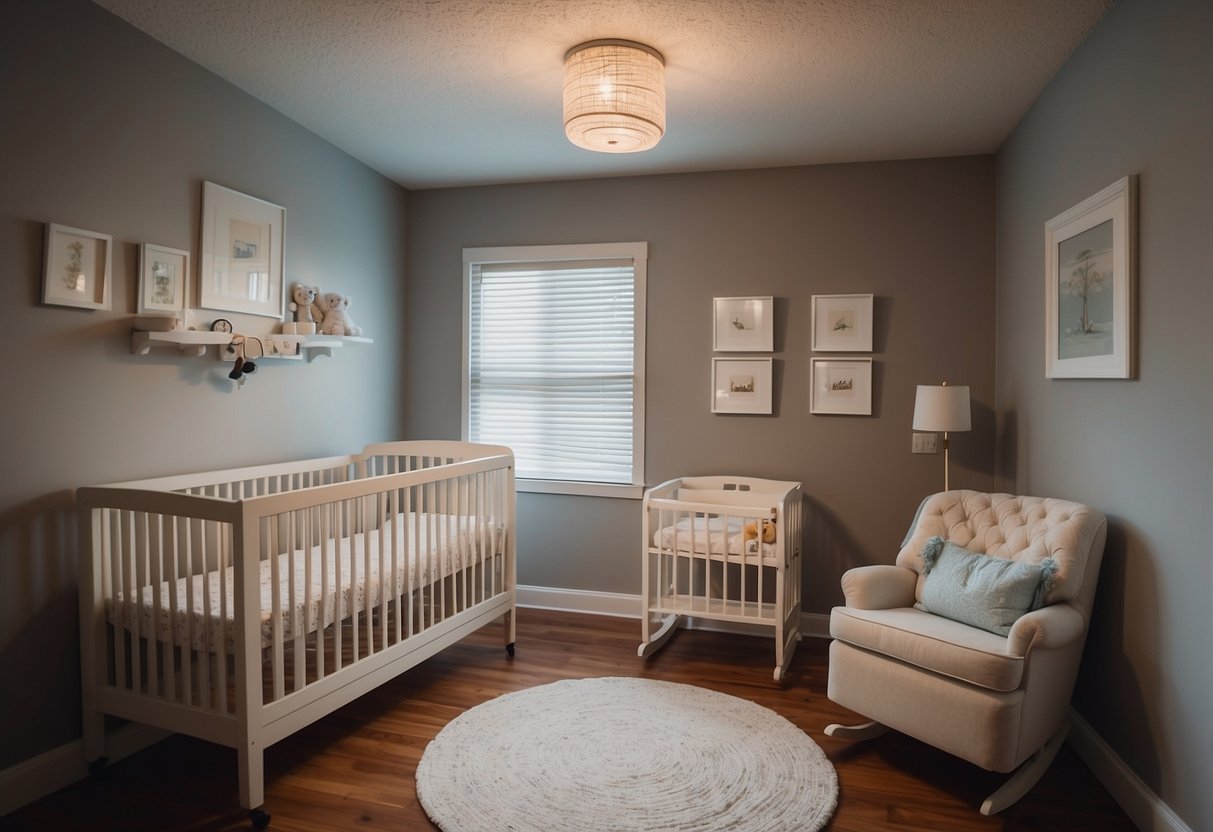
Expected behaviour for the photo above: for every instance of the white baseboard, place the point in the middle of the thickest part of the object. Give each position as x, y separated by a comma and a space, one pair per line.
623, 605
52, 770
617, 604
1145, 809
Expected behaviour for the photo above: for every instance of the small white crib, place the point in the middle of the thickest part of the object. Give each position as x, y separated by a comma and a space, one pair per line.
698, 561
240, 606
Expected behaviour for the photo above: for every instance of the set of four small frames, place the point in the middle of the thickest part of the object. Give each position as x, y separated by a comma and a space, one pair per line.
840, 323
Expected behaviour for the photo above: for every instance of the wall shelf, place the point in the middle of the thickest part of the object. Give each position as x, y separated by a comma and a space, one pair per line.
190, 342
196, 342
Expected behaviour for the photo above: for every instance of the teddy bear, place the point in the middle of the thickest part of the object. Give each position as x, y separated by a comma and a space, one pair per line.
336, 319
305, 304
768, 530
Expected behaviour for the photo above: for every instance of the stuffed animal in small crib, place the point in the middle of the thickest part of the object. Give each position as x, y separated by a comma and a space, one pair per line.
768, 530
336, 319
304, 303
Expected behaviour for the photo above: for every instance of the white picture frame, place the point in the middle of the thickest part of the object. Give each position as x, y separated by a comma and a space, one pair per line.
741, 385
164, 280
76, 269
744, 324
241, 253
1090, 282
840, 386
842, 323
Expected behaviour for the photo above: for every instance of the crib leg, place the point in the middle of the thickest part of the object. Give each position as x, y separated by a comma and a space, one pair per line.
509, 633
251, 771
259, 818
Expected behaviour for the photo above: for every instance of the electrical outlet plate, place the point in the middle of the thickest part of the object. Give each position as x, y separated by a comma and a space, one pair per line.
925, 443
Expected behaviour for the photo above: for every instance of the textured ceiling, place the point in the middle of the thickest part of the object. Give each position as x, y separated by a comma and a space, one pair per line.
436, 93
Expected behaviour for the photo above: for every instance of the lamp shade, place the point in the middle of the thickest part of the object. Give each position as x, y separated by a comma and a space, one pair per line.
614, 96
941, 408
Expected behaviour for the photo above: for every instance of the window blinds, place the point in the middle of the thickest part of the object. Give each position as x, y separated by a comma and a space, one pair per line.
551, 366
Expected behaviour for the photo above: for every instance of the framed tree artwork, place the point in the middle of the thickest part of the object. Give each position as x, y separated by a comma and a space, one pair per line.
1090, 284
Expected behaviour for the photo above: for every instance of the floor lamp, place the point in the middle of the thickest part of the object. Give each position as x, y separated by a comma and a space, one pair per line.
942, 409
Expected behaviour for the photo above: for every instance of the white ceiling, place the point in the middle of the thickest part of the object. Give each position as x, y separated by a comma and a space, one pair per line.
435, 93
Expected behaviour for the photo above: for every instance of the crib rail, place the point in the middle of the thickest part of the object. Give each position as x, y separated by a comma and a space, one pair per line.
268, 588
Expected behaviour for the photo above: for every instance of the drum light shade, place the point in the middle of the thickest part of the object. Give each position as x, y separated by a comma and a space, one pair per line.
614, 96
942, 409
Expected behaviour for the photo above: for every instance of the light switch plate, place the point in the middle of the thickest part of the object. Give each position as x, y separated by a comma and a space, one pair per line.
925, 443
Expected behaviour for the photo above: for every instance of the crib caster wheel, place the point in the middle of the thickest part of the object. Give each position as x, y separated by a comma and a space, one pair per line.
509, 649
96, 768
259, 818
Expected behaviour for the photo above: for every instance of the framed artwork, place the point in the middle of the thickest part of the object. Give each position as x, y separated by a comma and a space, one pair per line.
164, 279
77, 268
841, 386
741, 385
1090, 283
242, 252
743, 324
842, 323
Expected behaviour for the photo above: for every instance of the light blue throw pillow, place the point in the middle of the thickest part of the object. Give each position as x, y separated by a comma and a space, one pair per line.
980, 590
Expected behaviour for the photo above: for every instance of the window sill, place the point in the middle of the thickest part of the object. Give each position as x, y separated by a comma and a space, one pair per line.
580, 489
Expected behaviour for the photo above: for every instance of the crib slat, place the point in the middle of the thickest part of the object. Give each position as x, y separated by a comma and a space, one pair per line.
383, 576
364, 509
356, 599
225, 603
269, 545
339, 610
412, 546
298, 613
112, 541
134, 606
168, 564
187, 649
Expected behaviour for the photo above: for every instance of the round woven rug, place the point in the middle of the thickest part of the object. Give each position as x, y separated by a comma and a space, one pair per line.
624, 754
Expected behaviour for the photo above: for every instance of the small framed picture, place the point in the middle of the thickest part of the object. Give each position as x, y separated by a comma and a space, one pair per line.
743, 324
1089, 297
842, 323
741, 385
77, 269
164, 279
841, 386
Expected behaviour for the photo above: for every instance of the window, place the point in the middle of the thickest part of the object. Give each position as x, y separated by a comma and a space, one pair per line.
554, 363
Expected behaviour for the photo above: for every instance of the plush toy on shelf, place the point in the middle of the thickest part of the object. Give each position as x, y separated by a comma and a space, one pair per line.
305, 304
768, 530
336, 319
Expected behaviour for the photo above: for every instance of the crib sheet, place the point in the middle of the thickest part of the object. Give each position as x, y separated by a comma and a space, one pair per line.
699, 534
456, 544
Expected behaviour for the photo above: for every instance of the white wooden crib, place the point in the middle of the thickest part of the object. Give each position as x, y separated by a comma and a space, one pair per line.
699, 563
239, 606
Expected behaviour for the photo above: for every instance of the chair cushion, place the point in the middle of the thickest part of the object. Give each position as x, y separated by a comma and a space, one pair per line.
979, 590
931, 642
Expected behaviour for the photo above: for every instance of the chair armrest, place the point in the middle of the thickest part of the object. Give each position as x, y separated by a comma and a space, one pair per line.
1053, 626
879, 587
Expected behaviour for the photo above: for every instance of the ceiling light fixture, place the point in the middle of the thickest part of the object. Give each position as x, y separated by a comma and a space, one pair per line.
614, 96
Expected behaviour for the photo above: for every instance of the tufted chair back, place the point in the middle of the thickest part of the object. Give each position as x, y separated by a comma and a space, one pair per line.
1028, 529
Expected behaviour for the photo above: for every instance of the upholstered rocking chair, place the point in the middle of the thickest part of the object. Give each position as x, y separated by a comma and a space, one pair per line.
971, 642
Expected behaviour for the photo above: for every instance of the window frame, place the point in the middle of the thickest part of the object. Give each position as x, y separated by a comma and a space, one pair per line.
638, 252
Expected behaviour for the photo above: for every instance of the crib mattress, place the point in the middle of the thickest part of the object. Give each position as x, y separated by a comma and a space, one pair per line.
456, 545
715, 534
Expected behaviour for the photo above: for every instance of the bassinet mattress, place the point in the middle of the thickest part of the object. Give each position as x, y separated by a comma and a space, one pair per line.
456, 544
714, 533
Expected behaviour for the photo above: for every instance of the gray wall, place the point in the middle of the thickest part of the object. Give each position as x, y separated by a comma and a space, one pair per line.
918, 234
107, 130
1135, 98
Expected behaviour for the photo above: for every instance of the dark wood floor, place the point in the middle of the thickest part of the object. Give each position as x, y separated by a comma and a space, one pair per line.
354, 768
